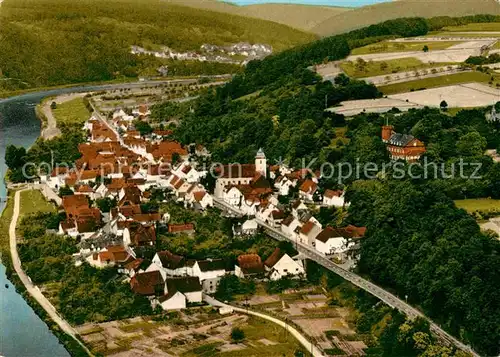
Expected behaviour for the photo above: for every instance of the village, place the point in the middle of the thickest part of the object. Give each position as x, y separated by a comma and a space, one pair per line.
240, 53
119, 165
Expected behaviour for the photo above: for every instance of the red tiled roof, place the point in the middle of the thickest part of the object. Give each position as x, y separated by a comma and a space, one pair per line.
333, 193
274, 258
147, 283
175, 228
308, 186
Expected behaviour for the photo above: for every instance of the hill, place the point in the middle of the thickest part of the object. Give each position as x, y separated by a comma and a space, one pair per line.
303, 17
52, 42
369, 15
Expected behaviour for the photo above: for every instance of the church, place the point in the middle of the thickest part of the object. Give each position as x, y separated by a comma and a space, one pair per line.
240, 174
402, 146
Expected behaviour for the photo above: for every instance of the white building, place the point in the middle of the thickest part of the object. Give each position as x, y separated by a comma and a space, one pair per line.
280, 265
334, 198
209, 272
334, 242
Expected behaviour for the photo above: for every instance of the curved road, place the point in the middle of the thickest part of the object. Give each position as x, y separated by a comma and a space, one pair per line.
364, 284
303, 341
32, 289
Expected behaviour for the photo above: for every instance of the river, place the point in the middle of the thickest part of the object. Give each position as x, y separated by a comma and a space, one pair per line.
22, 332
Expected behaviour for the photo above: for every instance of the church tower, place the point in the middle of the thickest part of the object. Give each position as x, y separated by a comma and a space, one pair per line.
261, 163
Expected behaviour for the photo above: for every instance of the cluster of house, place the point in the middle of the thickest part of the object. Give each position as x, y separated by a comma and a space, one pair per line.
494, 116
211, 53
173, 282
120, 166
247, 188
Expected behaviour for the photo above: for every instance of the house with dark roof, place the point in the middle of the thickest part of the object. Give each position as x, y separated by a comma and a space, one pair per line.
179, 292
402, 146
279, 265
337, 242
169, 264
210, 271
249, 266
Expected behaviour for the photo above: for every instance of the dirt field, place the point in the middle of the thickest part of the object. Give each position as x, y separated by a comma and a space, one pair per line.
382, 105
456, 96
309, 310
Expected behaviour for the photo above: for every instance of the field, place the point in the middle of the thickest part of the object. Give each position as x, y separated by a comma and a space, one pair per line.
191, 333
435, 82
371, 69
386, 47
71, 112
480, 204
369, 15
491, 26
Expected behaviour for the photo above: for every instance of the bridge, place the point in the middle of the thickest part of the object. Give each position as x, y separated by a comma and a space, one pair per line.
385, 296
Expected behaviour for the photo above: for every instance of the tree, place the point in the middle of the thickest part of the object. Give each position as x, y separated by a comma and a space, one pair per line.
383, 66
426, 48
237, 334
53, 105
15, 157
471, 144
443, 105
65, 191
105, 204
143, 127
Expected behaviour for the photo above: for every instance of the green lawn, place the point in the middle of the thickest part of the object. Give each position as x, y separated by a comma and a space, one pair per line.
372, 68
71, 112
386, 46
435, 82
33, 202
479, 204
488, 26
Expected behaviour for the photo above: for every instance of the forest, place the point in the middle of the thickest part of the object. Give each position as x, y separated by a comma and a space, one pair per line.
53, 42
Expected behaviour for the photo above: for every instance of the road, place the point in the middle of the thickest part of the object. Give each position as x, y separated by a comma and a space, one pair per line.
33, 290
309, 346
385, 296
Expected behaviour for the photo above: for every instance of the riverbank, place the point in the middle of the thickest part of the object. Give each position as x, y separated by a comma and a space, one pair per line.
45, 113
6, 219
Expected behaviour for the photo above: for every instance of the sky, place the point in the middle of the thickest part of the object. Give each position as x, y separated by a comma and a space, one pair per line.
348, 3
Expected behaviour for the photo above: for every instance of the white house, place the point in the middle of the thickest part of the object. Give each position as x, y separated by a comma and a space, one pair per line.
180, 291
280, 265
169, 264
203, 199
334, 242
307, 190
283, 185
298, 207
334, 198
308, 233
249, 227
209, 272
289, 225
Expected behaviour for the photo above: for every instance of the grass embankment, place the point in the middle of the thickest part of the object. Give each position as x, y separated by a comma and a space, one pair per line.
479, 204
386, 47
72, 112
379, 68
31, 202
434, 82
